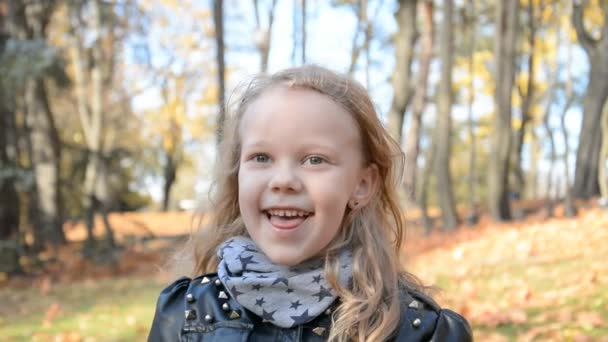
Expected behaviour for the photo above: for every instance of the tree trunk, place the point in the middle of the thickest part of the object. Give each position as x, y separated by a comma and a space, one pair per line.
170, 172
218, 19
423, 189
549, 202
506, 29
444, 122
535, 154
569, 206
590, 137
9, 214
412, 145
104, 196
527, 99
603, 158
91, 112
263, 36
30, 21
472, 215
361, 9
46, 159
303, 26
405, 39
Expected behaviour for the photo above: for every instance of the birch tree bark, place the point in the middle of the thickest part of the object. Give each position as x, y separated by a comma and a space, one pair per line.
92, 74
29, 21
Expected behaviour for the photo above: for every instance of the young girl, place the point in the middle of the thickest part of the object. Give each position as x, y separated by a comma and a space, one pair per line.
305, 231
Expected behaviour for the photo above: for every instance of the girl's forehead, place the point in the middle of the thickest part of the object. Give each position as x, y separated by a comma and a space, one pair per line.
290, 113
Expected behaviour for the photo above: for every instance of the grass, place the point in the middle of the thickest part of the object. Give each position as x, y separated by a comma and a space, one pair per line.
118, 309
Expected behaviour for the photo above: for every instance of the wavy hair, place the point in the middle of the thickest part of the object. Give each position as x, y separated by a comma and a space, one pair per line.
370, 308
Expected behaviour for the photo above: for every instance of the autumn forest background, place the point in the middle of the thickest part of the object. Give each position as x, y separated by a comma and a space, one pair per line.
111, 111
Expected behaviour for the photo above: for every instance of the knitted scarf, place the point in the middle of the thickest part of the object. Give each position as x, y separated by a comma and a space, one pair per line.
286, 296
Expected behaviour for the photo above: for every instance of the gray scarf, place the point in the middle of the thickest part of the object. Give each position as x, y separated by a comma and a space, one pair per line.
285, 296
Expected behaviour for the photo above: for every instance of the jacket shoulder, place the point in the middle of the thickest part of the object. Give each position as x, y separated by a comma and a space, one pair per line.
174, 309
196, 306
168, 316
422, 319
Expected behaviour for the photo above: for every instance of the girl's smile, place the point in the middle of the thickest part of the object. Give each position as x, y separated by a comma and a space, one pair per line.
287, 218
301, 163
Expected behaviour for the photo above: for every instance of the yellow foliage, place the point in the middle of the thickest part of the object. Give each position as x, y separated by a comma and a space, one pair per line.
547, 14
210, 96
594, 17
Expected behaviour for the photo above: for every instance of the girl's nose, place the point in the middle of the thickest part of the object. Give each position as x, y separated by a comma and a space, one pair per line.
285, 179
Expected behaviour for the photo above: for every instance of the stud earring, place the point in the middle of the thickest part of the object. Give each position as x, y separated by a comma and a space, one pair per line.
354, 204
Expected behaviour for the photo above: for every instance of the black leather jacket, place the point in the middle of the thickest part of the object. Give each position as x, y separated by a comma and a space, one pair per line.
201, 309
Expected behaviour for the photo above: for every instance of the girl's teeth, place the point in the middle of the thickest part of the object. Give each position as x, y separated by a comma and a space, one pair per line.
287, 213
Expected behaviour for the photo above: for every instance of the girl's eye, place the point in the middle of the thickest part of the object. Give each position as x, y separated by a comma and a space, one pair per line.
315, 160
261, 158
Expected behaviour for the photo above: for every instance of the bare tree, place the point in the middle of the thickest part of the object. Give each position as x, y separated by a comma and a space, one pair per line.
425, 180
218, 19
587, 156
569, 206
527, 95
405, 39
92, 71
412, 144
303, 28
603, 158
549, 201
263, 35
444, 121
472, 216
504, 52
360, 7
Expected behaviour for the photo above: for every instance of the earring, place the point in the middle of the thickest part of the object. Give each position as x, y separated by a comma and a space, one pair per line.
354, 204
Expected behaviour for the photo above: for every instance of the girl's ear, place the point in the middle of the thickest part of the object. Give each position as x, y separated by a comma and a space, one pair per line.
366, 187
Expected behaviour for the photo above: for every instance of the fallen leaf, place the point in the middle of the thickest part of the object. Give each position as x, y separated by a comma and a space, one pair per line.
51, 314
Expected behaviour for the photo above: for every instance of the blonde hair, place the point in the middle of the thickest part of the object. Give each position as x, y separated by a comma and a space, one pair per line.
370, 308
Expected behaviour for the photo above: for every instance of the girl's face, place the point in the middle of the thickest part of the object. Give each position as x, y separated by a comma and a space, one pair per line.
300, 165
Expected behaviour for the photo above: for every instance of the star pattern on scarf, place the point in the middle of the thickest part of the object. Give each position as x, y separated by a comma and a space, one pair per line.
268, 315
303, 318
235, 292
268, 289
260, 302
250, 248
323, 292
246, 261
294, 305
280, 280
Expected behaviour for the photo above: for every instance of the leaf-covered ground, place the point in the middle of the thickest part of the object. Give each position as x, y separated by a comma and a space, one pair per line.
539, 280
536, 281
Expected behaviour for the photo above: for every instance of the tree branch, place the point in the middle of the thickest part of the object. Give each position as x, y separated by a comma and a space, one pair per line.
586, 40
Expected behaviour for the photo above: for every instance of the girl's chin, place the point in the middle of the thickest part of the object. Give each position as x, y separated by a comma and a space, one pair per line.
286, 261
